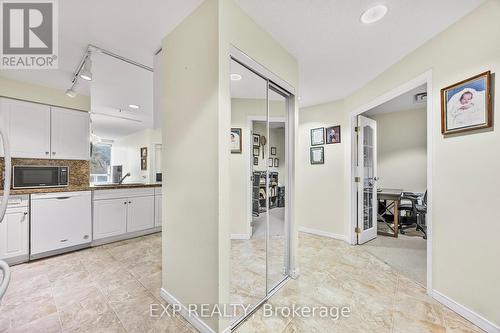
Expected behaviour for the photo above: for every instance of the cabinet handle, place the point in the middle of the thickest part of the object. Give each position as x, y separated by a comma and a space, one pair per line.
125, 203
62, 198
25, 213
63, 240
46, 153
53, 153
130, 202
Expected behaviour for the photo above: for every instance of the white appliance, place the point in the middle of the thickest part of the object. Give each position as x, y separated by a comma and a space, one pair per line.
60, 222
4, 267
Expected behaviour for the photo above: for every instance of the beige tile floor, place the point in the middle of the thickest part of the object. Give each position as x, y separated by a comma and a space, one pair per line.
103, 289
110, 288
334, 273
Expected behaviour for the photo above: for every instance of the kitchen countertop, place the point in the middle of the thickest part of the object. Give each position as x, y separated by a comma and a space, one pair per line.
78, 188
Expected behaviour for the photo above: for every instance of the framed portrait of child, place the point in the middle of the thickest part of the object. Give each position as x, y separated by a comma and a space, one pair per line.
466, 105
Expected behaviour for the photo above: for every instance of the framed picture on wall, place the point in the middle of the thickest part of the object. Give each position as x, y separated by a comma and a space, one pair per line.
276, 162
333, 134
144, 152
273, 150
270, 162
256, 140
235, 140
255, 160
144, 164
318, 136
466, 105
256, 151
317, 155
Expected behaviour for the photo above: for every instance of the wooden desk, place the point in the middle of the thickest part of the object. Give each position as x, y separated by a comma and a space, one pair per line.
393, 195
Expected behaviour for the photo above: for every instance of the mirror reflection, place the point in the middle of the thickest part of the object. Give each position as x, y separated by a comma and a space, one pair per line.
259, 174
125, 129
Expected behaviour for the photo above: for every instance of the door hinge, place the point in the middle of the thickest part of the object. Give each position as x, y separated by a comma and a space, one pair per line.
357, 230
357, 179
356, 129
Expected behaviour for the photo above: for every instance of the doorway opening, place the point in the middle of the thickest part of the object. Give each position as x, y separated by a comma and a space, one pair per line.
391, 180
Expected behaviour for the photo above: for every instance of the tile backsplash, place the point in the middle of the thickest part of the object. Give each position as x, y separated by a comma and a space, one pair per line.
79, 171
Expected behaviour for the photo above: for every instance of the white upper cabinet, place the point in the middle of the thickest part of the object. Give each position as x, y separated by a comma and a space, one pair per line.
28, 127
41, 131
70, 134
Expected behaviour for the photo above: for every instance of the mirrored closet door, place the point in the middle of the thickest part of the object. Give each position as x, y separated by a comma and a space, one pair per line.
259, 179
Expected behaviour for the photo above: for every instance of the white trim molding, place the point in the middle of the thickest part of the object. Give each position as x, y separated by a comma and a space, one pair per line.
468, 314
194, 320
240, 236
324, 234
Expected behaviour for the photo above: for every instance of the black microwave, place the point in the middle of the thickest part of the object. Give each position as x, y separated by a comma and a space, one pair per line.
33, 176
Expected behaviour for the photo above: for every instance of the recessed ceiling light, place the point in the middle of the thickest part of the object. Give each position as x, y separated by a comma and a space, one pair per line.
133, 106
236, 77
374, 14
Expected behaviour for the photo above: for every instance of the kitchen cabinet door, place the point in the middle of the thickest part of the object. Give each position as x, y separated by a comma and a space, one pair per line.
140, 213
14, 233
70, 134
158, 211
110, 217
28, 127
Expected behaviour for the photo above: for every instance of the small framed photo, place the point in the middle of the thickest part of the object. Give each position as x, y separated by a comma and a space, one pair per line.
317, 155
255, 160
276, 162
273, 150
466, 105
235, 140
144, 152
256, 140
318, 136
256, 151
144, 164
270, 162
333, 134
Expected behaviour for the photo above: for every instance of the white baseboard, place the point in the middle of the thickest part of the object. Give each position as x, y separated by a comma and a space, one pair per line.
468, 314
324, 234
194, 320
240, 236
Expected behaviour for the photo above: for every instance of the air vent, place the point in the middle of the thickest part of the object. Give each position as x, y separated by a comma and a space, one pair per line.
420, 98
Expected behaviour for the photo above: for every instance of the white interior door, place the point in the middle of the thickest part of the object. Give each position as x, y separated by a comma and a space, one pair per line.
367, 185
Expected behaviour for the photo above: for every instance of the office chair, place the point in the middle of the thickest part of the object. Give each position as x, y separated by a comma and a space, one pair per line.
415, 212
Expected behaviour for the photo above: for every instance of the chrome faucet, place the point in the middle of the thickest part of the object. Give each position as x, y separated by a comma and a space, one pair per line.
123, 178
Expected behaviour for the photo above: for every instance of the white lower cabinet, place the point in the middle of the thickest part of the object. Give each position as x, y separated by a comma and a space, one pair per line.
123, 212
140, 215
110, 218
158, 210
14, 231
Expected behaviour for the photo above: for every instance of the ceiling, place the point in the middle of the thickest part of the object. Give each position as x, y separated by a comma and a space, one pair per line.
129, 28
115, 85
337, 54
404, 102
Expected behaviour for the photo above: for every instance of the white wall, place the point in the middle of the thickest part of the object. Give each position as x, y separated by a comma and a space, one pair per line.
465, 177
402, 150
321, 197
196, 124
35, 93
125, 151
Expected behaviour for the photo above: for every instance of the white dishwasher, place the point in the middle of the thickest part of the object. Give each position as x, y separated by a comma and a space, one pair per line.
60, 222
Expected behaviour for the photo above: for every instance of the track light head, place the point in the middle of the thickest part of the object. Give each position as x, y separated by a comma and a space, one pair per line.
71, 92
86, 72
